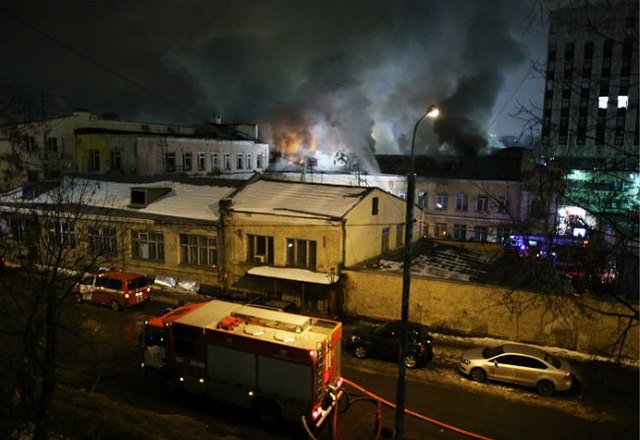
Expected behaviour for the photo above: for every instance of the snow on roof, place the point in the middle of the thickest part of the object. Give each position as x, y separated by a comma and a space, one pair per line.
287, 273
183, 200
297, 199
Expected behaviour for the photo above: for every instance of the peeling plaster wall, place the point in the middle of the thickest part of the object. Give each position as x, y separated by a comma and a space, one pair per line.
574, 323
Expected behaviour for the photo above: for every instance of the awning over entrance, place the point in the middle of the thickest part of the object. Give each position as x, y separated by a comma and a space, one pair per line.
287, 273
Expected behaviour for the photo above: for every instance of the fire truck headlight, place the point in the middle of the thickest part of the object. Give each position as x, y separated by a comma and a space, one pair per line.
181, 379
201, 380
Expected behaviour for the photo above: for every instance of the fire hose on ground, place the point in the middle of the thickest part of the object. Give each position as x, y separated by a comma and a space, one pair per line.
379, 401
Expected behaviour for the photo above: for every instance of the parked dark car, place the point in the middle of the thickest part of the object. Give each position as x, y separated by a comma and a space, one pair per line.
383, 342
274, 304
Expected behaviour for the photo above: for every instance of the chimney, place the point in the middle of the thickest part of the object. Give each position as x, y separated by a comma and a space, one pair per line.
217, 119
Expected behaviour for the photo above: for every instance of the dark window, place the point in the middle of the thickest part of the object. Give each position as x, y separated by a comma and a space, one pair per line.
187, 162
462, 202
259, 249
459, 232
94, 160
116, 160
480, 233
374, 206
198, 250
482, 203
301, 253
147, 245
399, 234
102, 240
62, 233
170, 162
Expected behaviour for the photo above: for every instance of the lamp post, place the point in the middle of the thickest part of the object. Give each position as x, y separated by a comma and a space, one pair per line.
432, 112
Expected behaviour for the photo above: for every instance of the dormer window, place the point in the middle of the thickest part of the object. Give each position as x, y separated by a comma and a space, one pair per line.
143, 197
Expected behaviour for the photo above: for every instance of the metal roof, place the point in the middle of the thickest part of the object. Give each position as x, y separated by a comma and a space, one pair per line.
294, 199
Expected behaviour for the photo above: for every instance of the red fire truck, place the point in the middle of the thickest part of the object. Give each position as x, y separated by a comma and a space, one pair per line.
281, 365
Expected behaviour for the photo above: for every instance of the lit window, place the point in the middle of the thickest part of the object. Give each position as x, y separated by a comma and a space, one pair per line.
623, 101
603, 101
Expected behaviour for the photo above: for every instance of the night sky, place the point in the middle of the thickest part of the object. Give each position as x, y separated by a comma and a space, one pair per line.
334, 74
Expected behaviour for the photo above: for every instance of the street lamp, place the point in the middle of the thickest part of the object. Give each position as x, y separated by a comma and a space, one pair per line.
431, 112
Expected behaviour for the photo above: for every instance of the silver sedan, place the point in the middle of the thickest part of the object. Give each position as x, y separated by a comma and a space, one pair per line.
518, 364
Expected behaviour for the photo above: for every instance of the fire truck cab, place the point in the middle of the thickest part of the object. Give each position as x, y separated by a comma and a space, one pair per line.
281, 365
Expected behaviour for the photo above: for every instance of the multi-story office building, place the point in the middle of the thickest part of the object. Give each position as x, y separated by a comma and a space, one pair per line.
590, 114
591, 93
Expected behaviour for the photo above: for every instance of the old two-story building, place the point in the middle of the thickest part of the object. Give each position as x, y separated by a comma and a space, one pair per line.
259, 236
87, 143
166, 228
479, 198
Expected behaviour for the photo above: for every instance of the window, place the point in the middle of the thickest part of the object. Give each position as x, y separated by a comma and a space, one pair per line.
259, 161
147, 245
480, 233
198, 250
52, 145
502, 233
116, 160
102, 240
249, 161
62, 233
227, 161
462, 202
202, 162
482, 203
24, 231
259, 249
460, 232
301, 253
603, 102
215, 161
385, 239
170, 162
94, 160
374, 206
623, 101
187, 161
239, 163
440, 230
399, 234
423, 199
503, 204
441, 201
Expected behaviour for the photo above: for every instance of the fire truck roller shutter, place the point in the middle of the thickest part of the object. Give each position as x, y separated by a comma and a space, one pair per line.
224, 363
285, 378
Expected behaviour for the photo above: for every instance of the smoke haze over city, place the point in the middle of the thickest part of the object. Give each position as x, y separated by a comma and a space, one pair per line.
317, 76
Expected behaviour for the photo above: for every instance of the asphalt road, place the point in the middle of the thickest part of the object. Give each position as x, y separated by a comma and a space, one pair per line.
106, 359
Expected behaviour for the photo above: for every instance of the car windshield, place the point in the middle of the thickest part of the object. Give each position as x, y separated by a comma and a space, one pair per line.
552, 360
490, 352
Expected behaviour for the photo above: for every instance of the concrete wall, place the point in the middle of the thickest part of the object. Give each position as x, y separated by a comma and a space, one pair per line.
575, 323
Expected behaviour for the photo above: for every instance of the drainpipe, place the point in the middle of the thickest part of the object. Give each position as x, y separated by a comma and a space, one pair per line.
223, 209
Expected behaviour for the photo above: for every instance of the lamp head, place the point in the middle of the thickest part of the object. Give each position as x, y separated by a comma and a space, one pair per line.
432, 111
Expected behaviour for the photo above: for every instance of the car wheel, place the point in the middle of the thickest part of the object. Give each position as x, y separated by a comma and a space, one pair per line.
411, 360
267, 411
78, 298
478, 374
115, 306
546, 388
360, 351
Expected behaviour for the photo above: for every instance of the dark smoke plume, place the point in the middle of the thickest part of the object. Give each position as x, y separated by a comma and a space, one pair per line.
345, 75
